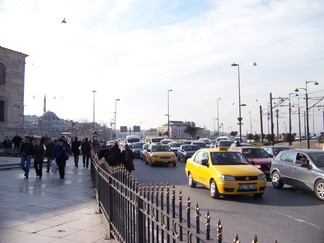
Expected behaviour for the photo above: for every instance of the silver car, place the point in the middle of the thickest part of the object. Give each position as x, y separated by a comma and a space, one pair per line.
302, 168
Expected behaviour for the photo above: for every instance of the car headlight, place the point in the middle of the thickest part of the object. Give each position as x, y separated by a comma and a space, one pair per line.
173, 156
227, 178
155, 156
262, 177
258, 166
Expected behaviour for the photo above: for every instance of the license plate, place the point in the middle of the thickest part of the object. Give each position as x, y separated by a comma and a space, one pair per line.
247, 187
165, 161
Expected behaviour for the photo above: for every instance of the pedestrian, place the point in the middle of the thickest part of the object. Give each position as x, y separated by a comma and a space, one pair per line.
38, 157
26, 151
61, 153
16, 141
128, 158
114, 156
86, 149
76, 150
50, 146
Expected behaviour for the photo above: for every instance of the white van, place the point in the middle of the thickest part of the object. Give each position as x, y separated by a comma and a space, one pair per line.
222, 138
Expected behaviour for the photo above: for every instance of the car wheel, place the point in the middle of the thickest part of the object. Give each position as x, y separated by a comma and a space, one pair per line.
191, 182
213, 190
276, 180
319, 189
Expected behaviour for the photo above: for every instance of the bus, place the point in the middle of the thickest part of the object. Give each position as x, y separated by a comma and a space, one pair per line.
130, 139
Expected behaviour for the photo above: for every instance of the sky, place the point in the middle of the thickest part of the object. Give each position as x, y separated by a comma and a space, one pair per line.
137, 50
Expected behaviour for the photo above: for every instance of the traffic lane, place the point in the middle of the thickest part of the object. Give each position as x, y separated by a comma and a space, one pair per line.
286, 215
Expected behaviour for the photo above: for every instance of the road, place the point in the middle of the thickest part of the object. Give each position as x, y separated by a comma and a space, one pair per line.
286, 215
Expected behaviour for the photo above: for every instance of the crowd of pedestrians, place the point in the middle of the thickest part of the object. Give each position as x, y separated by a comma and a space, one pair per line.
55, 153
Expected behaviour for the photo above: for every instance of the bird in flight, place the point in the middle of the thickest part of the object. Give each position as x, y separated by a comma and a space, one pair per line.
254, 64
63, 21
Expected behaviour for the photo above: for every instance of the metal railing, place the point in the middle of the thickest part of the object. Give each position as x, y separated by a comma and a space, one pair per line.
148, 213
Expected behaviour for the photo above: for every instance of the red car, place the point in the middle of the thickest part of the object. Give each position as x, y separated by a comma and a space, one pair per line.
256, 156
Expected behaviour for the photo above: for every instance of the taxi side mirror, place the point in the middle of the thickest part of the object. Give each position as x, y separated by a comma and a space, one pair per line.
204, 162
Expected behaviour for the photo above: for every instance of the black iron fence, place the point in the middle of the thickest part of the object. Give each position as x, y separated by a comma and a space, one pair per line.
149, 213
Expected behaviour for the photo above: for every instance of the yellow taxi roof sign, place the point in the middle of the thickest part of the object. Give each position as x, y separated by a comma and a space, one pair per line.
222, 149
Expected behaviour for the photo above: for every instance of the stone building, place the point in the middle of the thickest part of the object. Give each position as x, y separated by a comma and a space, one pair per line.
12, 81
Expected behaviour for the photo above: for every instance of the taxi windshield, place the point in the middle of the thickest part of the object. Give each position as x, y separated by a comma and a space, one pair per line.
161, 148
227, 158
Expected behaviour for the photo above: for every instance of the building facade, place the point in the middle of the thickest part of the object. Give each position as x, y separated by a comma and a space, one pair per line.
12, 83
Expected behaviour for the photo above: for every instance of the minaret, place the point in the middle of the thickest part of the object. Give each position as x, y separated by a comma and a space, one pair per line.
44, 103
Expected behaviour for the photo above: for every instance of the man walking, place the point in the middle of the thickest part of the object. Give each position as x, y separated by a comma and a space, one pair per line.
76, 150
86, 149
26, 151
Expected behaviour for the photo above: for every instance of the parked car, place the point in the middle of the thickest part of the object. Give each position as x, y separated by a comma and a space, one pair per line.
186, 151
143, 151
206, 140
174, 147
223, 143
274, 150
256, 156
303, 168
165, 141
160, 154
136, 148
200, 144
224, 173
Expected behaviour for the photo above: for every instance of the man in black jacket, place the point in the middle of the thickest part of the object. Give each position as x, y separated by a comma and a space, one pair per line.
86, 149
26, 152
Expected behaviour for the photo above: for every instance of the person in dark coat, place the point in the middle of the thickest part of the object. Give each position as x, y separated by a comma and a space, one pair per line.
60, 153
26, 152
38, 157
128, 158
86, 149
49, 154
75, 147
114, 155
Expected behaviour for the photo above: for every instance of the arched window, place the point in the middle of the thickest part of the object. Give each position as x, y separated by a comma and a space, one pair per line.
2, 74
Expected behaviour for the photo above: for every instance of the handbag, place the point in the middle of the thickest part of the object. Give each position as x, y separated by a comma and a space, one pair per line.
66, 155
53, 166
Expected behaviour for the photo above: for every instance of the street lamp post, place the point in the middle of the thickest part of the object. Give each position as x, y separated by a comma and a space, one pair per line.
239, 97
307, 120
214, 125
116, 117
169, 112
289, 110
217, 117
94, 110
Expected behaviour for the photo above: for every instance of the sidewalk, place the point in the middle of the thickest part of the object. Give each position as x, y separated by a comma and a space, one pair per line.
49, 209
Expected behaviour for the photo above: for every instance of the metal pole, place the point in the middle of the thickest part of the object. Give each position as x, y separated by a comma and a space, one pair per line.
169, 112
116, 117
218, 117
94, 111
261, 124
271, 121
239, 97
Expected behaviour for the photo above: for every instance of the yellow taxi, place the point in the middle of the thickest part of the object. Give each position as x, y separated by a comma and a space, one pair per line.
224, 173
160, 154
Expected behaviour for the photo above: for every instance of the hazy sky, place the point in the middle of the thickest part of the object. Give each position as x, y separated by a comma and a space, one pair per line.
137, 50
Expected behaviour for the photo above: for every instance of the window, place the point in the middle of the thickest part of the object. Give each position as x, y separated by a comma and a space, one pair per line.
2, 74
288, 157
2, 110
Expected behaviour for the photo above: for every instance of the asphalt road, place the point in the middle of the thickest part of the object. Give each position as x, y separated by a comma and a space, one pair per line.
287, 215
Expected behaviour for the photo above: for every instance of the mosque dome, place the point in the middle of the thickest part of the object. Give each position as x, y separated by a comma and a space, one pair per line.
50, 116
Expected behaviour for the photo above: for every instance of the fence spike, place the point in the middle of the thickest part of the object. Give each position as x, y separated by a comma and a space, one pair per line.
207, 226
236, 239
219, 231
255, 239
